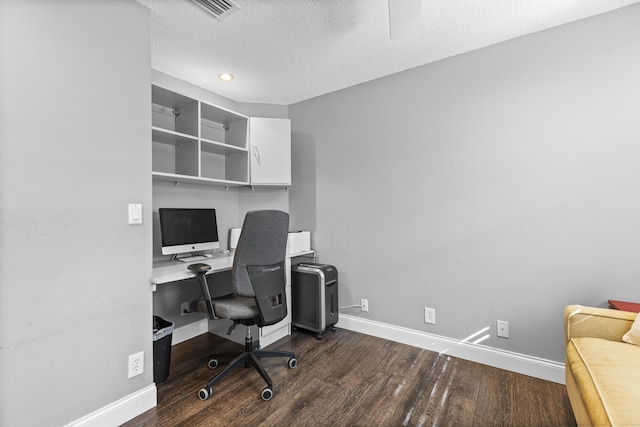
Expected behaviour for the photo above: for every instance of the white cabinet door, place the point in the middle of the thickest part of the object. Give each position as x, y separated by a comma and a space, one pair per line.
270, 151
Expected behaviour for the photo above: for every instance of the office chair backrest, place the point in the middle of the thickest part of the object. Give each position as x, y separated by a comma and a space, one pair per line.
263, 243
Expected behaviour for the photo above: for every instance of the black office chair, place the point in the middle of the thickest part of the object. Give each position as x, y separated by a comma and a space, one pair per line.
258, 280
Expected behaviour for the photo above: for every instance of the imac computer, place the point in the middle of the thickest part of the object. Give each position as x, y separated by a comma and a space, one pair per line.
185, 231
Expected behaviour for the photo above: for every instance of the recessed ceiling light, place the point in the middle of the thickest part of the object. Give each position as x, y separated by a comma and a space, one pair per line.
225, 76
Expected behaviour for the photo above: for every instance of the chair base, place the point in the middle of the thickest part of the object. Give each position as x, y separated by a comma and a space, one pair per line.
249, 358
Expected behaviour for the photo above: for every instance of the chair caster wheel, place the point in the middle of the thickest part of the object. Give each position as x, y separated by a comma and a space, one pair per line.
213, 363
204, 393
267, 393
293, 362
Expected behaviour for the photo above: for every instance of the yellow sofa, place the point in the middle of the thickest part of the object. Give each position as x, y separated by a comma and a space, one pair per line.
602, 371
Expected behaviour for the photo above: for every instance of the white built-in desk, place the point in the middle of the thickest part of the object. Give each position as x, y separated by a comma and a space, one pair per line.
174, 271
165, 272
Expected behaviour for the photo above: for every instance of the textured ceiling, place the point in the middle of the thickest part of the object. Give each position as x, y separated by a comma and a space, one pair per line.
285, 51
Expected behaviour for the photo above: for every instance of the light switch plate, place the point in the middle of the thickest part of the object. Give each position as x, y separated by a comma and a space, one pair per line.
135, 213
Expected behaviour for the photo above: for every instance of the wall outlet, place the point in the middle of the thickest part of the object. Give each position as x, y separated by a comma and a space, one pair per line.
430, 315
136, 364
184, 308
364, 305
502, 328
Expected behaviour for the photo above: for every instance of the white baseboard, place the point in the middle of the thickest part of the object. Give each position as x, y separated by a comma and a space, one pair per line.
131, 406
510, 361
121, 410
189, 331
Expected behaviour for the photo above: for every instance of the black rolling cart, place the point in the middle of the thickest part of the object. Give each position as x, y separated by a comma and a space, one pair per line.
314, 297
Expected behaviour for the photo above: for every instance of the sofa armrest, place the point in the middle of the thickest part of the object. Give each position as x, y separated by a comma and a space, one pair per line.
583, 321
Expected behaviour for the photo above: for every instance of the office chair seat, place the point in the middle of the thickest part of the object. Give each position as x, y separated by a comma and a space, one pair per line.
236, 308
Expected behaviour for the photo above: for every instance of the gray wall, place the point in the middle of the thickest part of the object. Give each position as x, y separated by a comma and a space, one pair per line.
500, 184
75, 299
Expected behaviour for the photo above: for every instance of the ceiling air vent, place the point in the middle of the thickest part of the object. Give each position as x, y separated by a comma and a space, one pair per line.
220, 9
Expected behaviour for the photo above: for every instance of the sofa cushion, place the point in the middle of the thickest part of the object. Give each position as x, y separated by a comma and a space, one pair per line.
633, 336
607, 374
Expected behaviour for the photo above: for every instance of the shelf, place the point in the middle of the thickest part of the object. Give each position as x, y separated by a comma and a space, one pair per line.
232, 133
168, 137
171, 111
169, 98
220, 148
220, 115
176, 178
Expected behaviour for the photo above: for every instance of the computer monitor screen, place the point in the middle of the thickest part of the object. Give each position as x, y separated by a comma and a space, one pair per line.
188, 230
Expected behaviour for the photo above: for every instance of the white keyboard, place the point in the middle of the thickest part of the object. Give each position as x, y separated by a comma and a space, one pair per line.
196, 258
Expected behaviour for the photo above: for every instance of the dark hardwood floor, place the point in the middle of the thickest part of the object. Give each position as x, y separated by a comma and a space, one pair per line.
351, 379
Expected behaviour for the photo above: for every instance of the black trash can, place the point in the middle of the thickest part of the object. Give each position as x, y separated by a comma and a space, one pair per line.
162, 332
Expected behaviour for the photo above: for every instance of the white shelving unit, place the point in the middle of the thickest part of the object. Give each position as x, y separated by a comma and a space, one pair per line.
197, 142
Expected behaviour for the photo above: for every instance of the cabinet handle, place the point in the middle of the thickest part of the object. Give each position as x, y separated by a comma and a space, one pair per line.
256, 154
